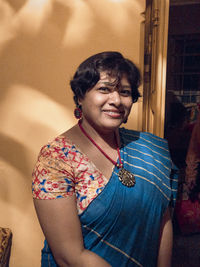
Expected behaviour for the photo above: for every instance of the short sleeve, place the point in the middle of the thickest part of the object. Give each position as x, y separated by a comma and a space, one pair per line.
52, 175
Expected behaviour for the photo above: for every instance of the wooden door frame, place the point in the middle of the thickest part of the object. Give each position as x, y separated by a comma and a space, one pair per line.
155, 66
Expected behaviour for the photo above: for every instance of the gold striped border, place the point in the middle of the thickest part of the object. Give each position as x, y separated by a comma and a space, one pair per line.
151, 150
166, 176
137, 167
160, 162
143, 178
156, 137
155, 186
112, 246
149, 141
147, 180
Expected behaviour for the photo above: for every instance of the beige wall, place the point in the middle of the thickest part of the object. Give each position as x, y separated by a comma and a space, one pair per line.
41, 44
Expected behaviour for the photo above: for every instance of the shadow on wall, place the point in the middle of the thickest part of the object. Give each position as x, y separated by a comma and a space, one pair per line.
41, 44
45, 38
34, 55
16, 5
7, 145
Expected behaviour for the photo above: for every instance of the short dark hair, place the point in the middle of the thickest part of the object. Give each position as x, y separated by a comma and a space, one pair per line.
88, 73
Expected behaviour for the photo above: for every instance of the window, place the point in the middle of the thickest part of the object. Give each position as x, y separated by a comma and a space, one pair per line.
184, 67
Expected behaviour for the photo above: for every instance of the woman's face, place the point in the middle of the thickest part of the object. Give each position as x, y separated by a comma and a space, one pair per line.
107, 105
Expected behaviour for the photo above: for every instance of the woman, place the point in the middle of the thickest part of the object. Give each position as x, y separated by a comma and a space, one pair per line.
188, 203
193, 163
101, 192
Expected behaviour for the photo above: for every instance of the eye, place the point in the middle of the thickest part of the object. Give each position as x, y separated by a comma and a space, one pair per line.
125, 92
104, 89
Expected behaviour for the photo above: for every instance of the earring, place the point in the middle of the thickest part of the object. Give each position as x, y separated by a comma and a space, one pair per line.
125, 120
78, 112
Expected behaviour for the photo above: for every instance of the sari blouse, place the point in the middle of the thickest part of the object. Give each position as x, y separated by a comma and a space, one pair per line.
121, 224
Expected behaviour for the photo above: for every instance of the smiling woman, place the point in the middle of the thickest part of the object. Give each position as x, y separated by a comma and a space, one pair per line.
110, 101
93, 184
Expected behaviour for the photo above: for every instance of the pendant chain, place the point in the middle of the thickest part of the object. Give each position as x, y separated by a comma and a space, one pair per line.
120, 165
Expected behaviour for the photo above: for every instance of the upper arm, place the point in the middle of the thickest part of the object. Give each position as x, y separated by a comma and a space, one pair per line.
166, 241
56, 206
55, 203
61, 226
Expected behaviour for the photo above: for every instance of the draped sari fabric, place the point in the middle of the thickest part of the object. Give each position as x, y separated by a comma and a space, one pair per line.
122, 224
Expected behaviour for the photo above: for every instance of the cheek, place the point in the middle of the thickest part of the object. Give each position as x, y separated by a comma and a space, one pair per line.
128, 104
93, 103
97, 102
128, 108
99, 99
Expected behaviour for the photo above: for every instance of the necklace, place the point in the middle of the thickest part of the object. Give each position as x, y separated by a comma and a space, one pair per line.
126, 178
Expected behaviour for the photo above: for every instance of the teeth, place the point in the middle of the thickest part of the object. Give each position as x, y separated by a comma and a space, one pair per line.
113, 112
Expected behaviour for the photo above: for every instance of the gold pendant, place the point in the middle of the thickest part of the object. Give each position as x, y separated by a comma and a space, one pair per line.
126, 177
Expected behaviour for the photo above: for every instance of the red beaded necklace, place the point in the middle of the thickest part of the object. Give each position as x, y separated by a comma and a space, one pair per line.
118, 165
126, 177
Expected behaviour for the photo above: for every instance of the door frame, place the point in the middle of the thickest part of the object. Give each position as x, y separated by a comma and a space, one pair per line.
155, 65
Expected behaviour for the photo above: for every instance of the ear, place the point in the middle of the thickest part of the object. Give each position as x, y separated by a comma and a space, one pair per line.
79, 101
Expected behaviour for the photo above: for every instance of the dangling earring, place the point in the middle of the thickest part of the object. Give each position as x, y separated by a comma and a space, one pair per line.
78, 112
125, 120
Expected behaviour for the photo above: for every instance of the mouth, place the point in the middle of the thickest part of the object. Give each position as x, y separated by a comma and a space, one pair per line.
114, 113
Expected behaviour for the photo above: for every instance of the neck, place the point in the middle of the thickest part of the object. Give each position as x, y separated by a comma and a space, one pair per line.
100, 135
118, 165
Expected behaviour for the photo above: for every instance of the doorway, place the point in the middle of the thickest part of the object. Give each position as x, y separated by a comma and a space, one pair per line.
183, 76
182, 109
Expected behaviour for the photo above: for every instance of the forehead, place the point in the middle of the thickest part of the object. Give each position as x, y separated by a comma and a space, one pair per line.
105, 77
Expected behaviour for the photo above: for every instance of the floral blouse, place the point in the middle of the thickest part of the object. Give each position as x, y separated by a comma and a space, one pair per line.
63, 170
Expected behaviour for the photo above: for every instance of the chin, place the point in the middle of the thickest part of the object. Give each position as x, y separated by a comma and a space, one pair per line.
112, 125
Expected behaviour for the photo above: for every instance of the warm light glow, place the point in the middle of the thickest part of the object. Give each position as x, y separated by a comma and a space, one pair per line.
116, 1
26, 112
6, 17
32, 15
29, 18
80, 24
41, 44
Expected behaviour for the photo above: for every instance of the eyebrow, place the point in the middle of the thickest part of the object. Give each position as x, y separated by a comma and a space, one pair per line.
114, 83
109, 83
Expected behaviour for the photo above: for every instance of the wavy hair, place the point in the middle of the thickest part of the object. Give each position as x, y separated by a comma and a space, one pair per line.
88, 73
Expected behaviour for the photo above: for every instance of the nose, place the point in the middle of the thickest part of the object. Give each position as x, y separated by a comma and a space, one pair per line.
115, 98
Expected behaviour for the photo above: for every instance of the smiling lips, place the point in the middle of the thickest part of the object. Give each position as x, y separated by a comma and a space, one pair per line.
114, 113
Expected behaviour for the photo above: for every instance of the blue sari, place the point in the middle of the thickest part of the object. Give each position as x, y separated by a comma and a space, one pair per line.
122, 224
